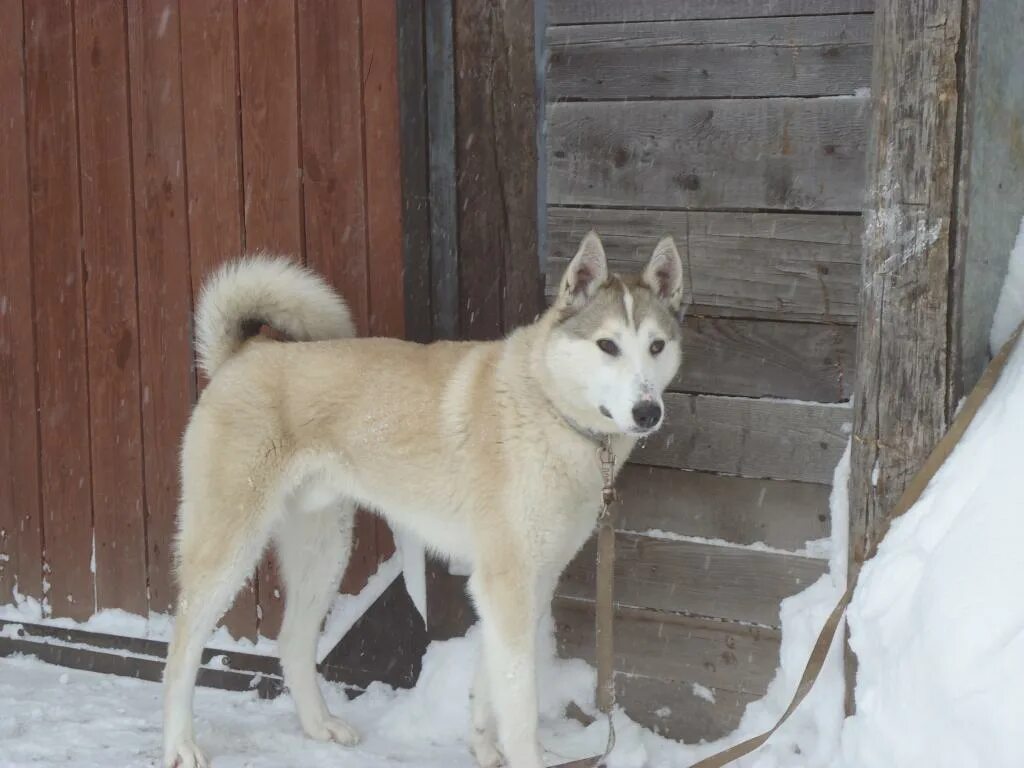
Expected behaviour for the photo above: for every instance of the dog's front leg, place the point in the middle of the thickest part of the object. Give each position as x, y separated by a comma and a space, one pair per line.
505, 595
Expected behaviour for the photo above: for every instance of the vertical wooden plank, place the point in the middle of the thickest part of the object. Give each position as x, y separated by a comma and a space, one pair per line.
383, 186
415, 192
383, 167
270, 132
271, 173
334, 192
449, 612
60, 307
112, 321
444, 220
900, 408
213, 147
496, 159
330, 41
162, 262
21, 543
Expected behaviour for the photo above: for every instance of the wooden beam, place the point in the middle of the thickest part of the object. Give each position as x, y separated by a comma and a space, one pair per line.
440, 81
782, 153
786, 56
719, 654
904, 346
496, 161
781, 514
903, 349
593, 11
749, 437
734, 583
780, 266
412, 104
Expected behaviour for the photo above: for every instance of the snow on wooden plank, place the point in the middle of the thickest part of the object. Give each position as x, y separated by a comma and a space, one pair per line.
778, 513
792, 56
58, 278
718, 654
21, 545
163, 264
787, 440
805, 154
681, 711
755, 358
115, 418
696, 578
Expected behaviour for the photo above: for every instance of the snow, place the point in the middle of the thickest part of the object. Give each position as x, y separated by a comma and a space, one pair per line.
817, 548
51, 716
346, 610
937, 621
1010, 309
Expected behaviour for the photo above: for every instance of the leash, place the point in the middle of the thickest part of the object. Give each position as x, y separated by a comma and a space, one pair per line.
910, 495
604, 609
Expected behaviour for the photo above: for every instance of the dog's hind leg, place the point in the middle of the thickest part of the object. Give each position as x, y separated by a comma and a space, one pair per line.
212, 567
313, 550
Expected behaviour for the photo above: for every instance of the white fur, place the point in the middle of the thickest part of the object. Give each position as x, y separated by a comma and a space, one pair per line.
273, 289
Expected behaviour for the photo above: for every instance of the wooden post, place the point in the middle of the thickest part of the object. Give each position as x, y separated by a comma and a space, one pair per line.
905, 348
482, 104
496, 166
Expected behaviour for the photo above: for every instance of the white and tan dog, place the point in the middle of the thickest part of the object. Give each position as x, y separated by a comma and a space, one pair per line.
487, 451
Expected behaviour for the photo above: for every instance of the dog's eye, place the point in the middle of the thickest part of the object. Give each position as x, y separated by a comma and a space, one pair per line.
656, 346
608, 346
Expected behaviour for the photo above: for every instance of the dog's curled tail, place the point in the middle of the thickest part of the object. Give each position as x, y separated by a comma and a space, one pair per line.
262, 289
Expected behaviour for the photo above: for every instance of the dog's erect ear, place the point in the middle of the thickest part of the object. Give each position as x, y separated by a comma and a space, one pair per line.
664, 273
587, 272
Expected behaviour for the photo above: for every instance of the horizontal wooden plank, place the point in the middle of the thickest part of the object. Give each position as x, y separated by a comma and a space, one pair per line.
785, 266
788, 56
805, 154
758, 358
695, 578
717, 654
676, 711
786, 440
591, 11
778, 513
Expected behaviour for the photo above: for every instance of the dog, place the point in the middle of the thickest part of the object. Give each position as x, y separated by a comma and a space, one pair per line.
487, 451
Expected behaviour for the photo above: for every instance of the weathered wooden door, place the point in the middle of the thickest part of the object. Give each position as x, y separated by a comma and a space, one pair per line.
142, 144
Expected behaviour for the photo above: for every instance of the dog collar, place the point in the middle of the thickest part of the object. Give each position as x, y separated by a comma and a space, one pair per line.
597, 438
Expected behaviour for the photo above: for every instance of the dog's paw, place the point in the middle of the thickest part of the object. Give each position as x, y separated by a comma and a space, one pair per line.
185, 755
333, 729
486, 753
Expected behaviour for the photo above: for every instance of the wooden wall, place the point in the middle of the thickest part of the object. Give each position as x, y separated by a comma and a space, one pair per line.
141, 145
739, 127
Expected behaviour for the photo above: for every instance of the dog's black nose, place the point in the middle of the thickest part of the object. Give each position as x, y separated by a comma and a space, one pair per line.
646, 414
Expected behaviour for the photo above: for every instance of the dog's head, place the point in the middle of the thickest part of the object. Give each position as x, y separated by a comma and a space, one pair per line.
614, 343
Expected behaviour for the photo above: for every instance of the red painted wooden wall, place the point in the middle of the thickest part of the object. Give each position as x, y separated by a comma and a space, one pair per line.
141, 145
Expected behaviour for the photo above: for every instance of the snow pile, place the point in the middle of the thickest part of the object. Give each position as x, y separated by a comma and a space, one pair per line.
1010, 309
937, 622
344, 613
